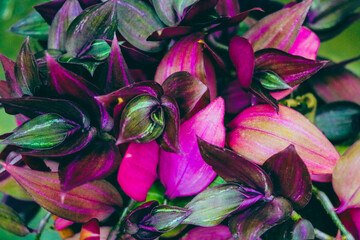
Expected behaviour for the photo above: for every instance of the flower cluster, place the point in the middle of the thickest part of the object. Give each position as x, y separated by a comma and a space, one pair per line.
141, 119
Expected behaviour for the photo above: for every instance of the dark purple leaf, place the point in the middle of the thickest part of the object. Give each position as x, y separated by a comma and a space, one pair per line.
63, 18
228, 8
187, 90
142, 120
97, 161
71, 145
97, 22
236, 99
263, 94
26, 70
118, 74
287, 167
49, 9
5, 91
171, 32
292, 69
198, 8
232, 167
169, 140
34, 106
242, 56
252, 223
134, 58
9, 69
76, 88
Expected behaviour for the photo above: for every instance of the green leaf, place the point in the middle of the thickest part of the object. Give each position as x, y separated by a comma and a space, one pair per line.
11, 222
270, 80
33, 26
165, 11
26, 70
89, 64
12, 188
43, 132
99, 50
136, 22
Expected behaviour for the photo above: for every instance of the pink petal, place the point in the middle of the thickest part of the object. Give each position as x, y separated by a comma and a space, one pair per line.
61, 223
219, 232
186, 173
138, 169
259, 132
306, 44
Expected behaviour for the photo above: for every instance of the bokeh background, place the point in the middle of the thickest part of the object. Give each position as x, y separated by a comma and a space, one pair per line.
344, 46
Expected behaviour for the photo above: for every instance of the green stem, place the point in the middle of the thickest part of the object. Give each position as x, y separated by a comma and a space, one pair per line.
329, 208
42, 225
322, 236
116, 229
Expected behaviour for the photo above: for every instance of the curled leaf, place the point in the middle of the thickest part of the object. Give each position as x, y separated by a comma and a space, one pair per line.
97, 199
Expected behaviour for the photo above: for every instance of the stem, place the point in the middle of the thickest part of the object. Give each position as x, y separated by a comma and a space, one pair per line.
215, 43
116, 229
42, 225
329, 208
295, 216
322, 236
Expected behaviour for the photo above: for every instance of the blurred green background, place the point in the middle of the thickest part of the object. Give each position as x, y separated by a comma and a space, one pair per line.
345, 46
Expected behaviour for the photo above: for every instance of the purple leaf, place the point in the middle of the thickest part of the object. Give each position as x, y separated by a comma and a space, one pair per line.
242, 56
26, 70
292, 69
228, 8
61, 223
34, 106
280, 29
49, 9
187, 90
287, 167
219, 232
234, 168
90, 230
252, 223
75, 87
236, 99
188, 55
138, 169
169, 140
63, 18
171, 32
187, 174
199, 7
118, 74
97, 199
5, 91
97, 22
98, 161
70, 146
9, 69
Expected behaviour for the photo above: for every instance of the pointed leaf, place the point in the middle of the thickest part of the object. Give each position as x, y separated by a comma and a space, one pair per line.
33, 26
90, 230
43, 132
97, 199
171, 32
219, 232
77, 88
252, 223
63, 18
136, 21
11, 221
292, 69
73, 144
260, 127
165, 11
195, 10
234, 168
188, 55
228, 8
98, 161
138, 169
186, 173
287, 167
9, 70
26, 70
97, 22
118, 74
142, 120
99, 50
35, 106
169, 140
345, 181
280, 29
270, 80
338, 121
186, 89
213, 205
263, 94
242, 56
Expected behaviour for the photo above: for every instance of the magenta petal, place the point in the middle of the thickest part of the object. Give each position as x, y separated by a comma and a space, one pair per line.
242, 56
138, 169
236, 99
187, 173
61, 223
306, 44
